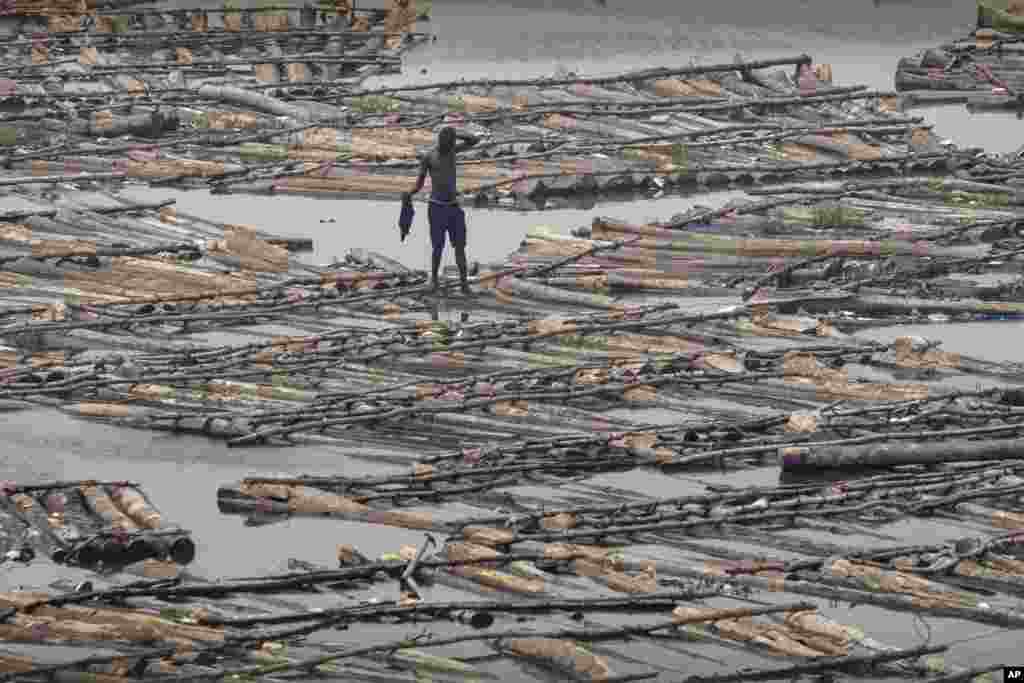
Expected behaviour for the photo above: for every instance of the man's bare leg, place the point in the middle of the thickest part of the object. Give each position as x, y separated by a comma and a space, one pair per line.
435, 266
460, 261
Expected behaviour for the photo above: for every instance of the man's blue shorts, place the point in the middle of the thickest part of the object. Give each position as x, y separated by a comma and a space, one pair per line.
446, 218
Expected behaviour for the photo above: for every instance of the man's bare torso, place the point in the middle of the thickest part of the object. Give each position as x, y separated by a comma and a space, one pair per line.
442, 176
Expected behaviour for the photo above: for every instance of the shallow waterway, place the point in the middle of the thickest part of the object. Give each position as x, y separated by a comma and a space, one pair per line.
860, 39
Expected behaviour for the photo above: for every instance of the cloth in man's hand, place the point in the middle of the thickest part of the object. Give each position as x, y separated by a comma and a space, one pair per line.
406, 216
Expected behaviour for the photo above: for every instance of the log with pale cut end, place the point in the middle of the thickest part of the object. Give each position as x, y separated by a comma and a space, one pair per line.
125, 509
830, 384
295, 500
715, 244
103, 506
645, 581
675, 87
563, 655
72, 624
484, 575
132, 503
521, 288
252, 100
129, 277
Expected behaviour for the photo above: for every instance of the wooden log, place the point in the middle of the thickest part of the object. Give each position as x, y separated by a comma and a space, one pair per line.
900, 453
330, 505
253, 100
90, 623
531, 290
565, 656
881, 305
799, 248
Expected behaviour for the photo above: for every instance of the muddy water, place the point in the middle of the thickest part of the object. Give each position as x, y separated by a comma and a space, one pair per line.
861, 39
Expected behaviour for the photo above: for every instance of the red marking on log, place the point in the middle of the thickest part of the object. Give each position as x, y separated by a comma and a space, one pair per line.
376, 517
144, 153
55, 503
840, 488
808, 81
583, 89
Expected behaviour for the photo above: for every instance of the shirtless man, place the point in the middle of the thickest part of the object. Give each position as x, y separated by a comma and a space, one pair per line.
444, 213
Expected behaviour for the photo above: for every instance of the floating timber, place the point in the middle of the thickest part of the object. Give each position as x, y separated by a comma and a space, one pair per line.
646, 450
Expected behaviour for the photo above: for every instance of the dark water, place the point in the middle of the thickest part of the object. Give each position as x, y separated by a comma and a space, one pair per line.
861, 39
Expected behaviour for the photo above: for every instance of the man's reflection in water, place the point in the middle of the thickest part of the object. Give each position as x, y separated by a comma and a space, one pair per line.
435, 313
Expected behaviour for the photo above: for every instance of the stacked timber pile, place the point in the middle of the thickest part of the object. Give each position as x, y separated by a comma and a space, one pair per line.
132, 61
690, 129
234, 630
496, 430
982, 71
682, 129
88, 524
586, 443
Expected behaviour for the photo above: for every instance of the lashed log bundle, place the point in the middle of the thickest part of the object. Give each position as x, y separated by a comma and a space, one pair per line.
92, 523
